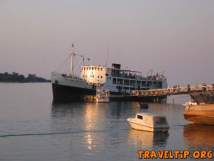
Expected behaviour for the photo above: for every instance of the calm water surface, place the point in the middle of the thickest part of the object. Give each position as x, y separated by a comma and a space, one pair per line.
33, 129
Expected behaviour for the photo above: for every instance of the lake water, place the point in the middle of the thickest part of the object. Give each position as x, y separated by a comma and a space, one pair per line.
33, 129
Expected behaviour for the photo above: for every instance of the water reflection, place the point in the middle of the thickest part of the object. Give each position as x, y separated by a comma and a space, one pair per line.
90, 141
120, 110
87, 120
105, 125
91, 116
91, 111
199, 135
65, 110
148, 139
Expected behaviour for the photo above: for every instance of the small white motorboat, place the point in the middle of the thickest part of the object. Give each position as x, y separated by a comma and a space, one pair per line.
149, 122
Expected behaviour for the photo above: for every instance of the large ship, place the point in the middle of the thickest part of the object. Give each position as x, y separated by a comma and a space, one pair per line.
95, 80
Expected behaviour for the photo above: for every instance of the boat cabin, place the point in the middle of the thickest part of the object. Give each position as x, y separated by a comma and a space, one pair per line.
152, 119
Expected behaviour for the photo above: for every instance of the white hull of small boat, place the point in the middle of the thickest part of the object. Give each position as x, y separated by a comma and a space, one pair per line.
148, 122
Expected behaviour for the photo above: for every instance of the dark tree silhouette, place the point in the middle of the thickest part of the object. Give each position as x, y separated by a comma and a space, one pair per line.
16, 77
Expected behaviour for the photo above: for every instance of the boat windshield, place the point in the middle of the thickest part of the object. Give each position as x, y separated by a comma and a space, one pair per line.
140, 117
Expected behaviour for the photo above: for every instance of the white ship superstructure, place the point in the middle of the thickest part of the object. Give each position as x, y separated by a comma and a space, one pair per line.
117, 81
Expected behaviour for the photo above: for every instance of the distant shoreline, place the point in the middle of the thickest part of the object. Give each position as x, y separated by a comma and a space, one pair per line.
20, 78
23, 82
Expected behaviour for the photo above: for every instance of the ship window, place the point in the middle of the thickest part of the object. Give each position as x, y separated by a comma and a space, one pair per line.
143, 83
114, 80
140, 117
126, 82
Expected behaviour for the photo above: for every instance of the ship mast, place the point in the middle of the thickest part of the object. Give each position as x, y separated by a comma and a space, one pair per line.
72, 57
73, 54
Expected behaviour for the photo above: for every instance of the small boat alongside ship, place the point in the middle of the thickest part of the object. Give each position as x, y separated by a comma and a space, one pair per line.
102, 96
102, 84
149, 122
201, 109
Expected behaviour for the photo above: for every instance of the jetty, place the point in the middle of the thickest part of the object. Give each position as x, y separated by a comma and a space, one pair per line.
175, 90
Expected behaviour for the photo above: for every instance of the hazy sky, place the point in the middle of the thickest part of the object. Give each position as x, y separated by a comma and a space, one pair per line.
174, 36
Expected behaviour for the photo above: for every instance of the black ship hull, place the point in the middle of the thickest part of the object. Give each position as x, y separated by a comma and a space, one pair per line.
146, 99
63, 93
117, 96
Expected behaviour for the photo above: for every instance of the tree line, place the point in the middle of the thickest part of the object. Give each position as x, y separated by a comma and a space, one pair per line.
16, 77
